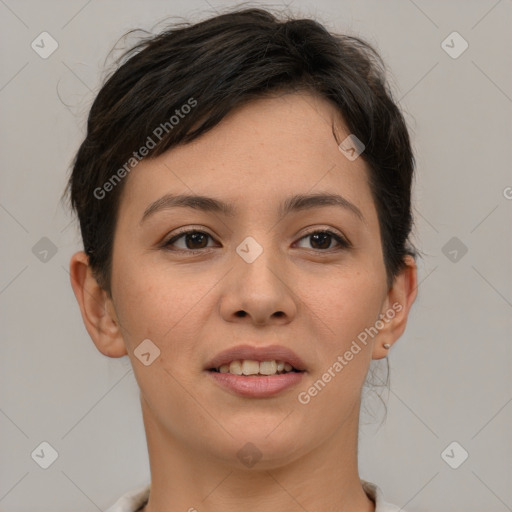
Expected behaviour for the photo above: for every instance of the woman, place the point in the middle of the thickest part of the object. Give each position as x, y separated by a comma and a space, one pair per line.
243, 193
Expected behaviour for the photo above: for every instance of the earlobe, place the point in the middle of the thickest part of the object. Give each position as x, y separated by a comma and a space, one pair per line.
396, 307
96, 307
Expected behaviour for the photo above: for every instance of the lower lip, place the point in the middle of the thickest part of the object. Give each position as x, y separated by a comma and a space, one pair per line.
257, 387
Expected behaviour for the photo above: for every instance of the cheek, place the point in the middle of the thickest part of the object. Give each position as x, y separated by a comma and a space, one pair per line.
158, 303
346, 304
166, 308
340, 314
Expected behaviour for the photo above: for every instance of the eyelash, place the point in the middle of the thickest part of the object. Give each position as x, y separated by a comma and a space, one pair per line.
343, 242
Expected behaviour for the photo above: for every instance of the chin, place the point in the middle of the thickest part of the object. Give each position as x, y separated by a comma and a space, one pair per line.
265, 440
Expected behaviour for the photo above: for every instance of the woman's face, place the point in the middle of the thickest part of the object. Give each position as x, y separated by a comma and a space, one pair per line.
254, 276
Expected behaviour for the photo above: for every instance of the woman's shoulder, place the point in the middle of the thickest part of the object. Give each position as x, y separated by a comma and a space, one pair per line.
375, 494
131, 501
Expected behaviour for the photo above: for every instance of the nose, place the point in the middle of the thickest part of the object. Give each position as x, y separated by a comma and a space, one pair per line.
258, 293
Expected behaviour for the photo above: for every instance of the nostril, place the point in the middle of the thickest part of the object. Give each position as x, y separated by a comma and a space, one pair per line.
241, 313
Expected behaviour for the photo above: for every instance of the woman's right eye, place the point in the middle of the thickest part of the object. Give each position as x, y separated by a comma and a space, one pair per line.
191, 240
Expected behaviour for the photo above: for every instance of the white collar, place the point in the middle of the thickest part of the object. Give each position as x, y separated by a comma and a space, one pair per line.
137, 498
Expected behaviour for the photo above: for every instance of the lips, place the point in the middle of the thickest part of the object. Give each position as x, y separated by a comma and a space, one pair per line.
260, 354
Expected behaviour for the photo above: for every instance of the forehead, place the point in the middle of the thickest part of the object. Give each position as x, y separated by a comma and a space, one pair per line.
270, 146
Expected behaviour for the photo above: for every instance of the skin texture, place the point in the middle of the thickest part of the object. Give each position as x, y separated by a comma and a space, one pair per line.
296, 293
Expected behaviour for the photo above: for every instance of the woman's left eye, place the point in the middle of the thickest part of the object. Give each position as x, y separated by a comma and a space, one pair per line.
322, 240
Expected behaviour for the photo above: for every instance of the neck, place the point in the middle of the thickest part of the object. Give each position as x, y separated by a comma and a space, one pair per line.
188, 479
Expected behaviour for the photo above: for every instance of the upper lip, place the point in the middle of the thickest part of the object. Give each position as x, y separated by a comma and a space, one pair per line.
268, 353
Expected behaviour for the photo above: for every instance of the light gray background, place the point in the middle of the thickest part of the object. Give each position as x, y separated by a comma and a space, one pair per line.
450, 372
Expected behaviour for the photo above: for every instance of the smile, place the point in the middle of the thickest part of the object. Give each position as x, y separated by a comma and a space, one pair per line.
251, 367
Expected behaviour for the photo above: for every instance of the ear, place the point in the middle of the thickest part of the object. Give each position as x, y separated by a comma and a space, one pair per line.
97, 308
396, 307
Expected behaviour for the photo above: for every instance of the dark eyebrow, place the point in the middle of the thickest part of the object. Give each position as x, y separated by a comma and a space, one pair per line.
305, 202
208, 204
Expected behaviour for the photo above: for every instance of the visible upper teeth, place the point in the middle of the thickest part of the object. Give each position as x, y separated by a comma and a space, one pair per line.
250, 367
